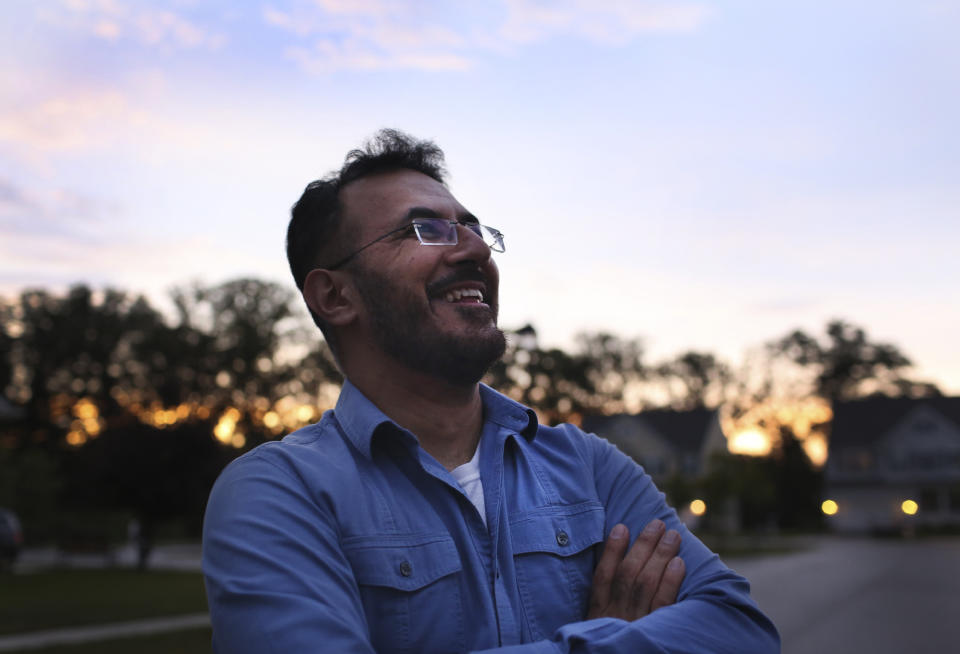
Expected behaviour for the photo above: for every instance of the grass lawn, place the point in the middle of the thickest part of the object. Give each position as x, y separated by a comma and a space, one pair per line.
69, 598
189, 641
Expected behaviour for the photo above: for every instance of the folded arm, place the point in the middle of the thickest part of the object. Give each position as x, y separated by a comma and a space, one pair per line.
713, 611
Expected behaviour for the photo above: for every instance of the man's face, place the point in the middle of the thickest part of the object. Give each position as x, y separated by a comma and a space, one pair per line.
432, 307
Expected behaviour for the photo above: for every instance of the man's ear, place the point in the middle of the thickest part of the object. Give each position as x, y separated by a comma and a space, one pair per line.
330, 296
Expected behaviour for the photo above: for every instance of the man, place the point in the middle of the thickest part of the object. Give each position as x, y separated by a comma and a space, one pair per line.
426, 512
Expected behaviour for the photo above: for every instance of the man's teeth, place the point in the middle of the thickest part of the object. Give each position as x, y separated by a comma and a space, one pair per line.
459, 294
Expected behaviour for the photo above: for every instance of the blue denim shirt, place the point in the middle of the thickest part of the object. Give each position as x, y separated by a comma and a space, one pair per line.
346, 536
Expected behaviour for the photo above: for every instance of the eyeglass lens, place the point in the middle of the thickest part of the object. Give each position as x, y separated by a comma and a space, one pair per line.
438, 231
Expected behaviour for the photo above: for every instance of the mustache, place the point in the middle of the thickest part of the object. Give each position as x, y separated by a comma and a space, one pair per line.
456, 277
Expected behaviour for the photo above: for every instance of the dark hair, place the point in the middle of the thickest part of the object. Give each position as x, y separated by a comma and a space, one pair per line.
312, 235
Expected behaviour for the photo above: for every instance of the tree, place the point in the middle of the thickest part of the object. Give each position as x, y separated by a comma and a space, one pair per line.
155, 474
105, 378
562, 385
695, 380
81, 345
798, 484
846, 364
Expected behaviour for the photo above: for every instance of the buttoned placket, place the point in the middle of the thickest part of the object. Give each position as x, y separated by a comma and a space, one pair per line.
492, 473
487, 538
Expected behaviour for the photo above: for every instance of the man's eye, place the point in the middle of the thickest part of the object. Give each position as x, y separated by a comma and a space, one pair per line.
474, 227
431, 229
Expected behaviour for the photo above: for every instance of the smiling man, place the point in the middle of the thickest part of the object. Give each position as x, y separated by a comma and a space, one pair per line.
426, 512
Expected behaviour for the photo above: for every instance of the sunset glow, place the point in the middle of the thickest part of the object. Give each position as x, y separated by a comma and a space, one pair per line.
756, 430
750, 441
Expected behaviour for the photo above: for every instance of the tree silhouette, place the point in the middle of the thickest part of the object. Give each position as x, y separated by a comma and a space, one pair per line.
124, 400
846, 364
562, 386
695, 380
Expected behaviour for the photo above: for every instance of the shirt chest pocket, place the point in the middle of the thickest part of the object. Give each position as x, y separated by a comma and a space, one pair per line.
554, 556
410, 588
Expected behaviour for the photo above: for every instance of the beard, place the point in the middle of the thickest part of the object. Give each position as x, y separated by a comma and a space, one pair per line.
403, 328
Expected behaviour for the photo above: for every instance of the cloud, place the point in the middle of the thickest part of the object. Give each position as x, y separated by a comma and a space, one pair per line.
68, 121
392, 34
51, 215
611, 22
369, 35
112, 20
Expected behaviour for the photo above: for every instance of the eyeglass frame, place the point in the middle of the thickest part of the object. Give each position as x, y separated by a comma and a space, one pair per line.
467, 221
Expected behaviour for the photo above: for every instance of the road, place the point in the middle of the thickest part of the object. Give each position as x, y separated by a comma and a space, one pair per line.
840, 596
848, 596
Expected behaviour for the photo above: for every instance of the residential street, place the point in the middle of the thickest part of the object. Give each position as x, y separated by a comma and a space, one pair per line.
841, 596
848, 596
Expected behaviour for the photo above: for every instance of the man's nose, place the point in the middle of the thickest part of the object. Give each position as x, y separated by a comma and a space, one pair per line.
470, 247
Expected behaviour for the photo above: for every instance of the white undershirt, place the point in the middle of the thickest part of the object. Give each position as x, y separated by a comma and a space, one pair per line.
468, 476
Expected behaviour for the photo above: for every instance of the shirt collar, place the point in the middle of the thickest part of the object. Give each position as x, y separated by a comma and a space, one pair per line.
360, 419
500, 409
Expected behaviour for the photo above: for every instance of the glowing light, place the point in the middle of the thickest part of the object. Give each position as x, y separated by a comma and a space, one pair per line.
238, 440
698, 507
305, 413
85, 409
752, 442
806, 418
829, 507
271, 420
909, 507
76, 438
815, 446
224, 431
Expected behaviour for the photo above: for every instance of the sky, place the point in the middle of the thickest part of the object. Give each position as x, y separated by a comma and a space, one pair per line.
701, 175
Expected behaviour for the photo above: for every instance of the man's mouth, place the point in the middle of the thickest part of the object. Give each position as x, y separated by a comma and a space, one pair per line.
464, 295
462, 287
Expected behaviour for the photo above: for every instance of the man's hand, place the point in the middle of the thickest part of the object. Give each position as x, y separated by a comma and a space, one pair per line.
629, 585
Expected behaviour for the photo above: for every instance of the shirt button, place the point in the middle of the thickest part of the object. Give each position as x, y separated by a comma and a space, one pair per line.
406, 569
562, 538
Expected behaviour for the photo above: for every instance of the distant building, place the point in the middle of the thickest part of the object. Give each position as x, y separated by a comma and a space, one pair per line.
664, 442
888, 451
10, 412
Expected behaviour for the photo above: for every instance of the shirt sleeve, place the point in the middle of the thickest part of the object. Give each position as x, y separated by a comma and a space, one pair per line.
277, 579
713, 611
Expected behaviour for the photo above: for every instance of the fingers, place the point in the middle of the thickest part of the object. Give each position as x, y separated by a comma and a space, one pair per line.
613, 550
647, 583
627, 595
669, 584
629, 584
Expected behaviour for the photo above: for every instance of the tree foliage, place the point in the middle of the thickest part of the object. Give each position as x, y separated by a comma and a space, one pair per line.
695, 380
845, 364
560, 384
117, 404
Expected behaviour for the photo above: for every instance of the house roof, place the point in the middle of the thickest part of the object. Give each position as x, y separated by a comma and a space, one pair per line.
684, 430
863, 422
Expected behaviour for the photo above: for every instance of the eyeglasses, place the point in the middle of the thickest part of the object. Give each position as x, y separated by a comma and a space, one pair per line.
436, 231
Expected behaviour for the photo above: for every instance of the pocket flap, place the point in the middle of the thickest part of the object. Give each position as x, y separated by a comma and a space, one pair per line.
402, 562
560, 530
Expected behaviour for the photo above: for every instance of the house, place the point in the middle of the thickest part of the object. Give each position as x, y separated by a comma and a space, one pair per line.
664, 442
894, 463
